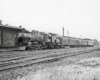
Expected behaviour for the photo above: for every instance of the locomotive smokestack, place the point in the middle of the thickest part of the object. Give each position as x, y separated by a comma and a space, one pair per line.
63, 31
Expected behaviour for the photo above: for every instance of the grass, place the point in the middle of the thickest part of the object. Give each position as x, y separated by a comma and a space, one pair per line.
86, 69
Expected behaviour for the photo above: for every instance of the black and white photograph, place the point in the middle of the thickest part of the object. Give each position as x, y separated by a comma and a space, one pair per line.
49, 39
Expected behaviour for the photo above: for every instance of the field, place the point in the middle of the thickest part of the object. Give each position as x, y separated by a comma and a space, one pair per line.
80, 67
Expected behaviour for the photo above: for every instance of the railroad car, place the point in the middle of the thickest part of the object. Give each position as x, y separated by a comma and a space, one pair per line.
64, 41
84, 43
74, 42
70, 41
90, 43
79, 42
95, 42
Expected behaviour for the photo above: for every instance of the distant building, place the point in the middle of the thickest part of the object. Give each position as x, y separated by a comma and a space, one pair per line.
7, 35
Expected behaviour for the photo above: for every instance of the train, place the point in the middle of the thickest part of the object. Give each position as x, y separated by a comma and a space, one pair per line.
36, 40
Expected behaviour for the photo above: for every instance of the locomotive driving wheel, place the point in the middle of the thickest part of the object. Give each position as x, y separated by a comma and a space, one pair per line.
40, 47
36, 47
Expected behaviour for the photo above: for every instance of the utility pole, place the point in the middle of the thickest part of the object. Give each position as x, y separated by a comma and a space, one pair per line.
0, 22
67, 33
81, 36
63, 31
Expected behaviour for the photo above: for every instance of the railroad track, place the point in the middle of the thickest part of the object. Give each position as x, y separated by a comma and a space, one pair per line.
17, 62
18, 54
10, 56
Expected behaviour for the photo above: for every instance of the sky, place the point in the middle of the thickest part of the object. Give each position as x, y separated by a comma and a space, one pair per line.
81, 18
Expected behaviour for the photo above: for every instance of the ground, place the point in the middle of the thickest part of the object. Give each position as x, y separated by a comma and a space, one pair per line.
80, 67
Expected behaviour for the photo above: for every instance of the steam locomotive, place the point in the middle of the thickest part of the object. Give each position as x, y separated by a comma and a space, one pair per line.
39, 40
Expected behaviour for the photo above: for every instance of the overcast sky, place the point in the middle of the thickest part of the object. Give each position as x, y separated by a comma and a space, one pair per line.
79, 17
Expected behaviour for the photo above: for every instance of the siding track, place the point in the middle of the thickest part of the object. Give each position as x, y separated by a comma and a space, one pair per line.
24, 61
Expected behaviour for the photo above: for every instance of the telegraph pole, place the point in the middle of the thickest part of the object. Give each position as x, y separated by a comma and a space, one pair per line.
0, 22
81, 36
67, 33
63, 31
